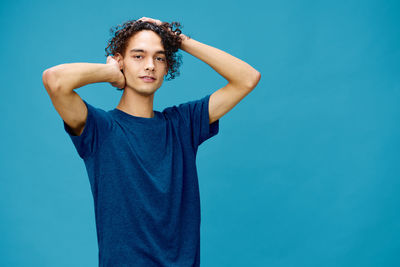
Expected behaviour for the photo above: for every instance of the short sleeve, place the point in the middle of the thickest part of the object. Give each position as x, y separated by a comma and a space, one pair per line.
196, 114
97, 126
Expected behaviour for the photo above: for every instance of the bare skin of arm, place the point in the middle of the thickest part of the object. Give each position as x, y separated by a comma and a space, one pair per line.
242, 78
61, 80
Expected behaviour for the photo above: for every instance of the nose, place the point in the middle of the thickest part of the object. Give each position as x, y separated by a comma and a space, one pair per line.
150, 64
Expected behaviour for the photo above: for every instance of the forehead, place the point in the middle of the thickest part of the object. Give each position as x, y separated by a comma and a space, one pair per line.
146, 40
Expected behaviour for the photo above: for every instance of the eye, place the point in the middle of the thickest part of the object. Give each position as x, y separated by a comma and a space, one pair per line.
136, 56
161, 59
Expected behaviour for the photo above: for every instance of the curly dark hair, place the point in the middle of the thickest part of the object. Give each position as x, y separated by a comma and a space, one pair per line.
170, 37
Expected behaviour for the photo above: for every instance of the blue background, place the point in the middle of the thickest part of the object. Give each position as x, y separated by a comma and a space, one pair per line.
304, 171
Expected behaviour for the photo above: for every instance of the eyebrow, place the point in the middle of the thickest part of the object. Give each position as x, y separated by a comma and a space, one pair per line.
141, 50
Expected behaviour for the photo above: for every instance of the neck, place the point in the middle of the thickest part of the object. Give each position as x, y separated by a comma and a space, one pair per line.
136, 104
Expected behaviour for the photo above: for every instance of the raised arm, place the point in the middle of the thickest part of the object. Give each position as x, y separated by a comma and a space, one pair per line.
61, 80
242, 78
234, 70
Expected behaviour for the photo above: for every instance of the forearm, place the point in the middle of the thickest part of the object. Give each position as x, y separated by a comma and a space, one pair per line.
69, 76
234, 70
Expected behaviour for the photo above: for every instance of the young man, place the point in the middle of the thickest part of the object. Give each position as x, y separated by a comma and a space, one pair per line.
141, 162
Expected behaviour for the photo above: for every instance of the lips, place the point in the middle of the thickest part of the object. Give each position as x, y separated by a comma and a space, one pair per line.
148, 77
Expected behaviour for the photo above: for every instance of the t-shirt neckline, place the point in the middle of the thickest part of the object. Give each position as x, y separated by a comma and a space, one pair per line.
124, 115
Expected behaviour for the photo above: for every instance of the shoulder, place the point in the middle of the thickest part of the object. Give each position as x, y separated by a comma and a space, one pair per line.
188, 109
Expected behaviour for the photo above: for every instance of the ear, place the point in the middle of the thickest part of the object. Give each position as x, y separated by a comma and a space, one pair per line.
118, 57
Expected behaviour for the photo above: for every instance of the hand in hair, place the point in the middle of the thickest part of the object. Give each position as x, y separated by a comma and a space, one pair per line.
159, 23
155, 21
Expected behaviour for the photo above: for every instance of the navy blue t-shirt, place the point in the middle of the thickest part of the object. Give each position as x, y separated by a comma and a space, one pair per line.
143, 178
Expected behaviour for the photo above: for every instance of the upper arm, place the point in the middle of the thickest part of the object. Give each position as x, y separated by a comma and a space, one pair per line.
68, 104
224, 99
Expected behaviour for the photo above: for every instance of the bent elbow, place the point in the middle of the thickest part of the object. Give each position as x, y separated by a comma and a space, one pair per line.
255, 80
50, 80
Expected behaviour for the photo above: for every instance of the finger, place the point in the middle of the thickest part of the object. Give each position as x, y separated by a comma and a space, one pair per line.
156, 21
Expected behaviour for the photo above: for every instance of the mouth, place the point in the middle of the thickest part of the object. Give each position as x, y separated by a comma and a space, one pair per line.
148, 78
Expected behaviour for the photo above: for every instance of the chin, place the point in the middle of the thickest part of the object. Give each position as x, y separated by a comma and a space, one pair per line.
145, 91
143, 88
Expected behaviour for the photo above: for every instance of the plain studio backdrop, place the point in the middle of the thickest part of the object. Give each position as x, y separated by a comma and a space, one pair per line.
304, 171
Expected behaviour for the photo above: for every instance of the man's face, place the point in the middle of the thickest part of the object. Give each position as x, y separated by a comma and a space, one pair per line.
144, 57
